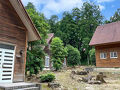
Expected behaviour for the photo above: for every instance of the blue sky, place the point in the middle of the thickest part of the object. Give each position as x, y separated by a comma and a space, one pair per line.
57, 7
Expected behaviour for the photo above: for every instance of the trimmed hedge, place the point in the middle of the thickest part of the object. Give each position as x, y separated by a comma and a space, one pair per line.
47, 77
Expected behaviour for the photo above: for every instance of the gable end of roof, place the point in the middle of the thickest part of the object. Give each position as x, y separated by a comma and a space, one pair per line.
33, 34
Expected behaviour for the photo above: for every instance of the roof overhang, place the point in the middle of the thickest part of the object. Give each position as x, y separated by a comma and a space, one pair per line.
33, 34
50, 36
110, 43
106, 34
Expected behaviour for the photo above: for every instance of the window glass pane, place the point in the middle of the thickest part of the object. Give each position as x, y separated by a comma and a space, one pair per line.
113, 54
103, 55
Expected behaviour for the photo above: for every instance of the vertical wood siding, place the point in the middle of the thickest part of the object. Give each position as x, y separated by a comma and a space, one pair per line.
13, 31
107, 49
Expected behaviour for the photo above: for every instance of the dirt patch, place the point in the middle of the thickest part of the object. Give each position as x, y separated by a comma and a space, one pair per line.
63, 78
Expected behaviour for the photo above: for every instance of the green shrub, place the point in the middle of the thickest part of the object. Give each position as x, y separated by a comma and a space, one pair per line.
92, 56
34, 61
73, 57
57, 64
47, 77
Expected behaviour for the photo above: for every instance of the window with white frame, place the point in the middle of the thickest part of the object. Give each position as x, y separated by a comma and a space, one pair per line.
113, 55
103, 55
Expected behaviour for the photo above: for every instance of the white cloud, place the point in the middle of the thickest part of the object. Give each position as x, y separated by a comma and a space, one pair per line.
99, 2
102, 1
53, 7
101, 7
50, 7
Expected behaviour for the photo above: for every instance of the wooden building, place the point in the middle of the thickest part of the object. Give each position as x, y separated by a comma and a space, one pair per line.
47, 61
106, 40
16, 29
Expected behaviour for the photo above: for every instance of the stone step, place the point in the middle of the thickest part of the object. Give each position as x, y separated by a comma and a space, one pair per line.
20, 86
30, 88
24, 86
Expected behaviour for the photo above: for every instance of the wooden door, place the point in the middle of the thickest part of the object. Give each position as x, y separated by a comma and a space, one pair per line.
6, 64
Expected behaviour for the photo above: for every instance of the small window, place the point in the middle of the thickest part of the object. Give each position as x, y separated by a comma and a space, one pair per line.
103, 55
113, 55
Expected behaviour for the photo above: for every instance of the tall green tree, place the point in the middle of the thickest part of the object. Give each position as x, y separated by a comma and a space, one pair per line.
58, 52
39, 21
115, 17
35, 55
90, 18
53, 22
77, 27
67, 28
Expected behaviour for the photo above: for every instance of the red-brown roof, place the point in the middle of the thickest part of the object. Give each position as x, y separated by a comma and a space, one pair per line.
50, 36
105, 34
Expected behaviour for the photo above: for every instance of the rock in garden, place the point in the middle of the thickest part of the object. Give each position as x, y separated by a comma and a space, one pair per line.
81, 73
28, 78
88, 78
88, 69
72, 76
94, 82
38, 77
79, 80
53, 85
33, 75
73, 72
99, 77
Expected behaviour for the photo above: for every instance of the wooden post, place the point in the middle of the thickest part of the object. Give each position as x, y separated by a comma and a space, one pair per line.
25, 52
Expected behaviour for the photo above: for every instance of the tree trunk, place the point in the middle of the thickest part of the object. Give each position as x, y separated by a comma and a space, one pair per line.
88, 59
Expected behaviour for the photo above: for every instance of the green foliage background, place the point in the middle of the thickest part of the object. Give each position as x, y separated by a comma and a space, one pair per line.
35, 53
73, 57
75, 28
